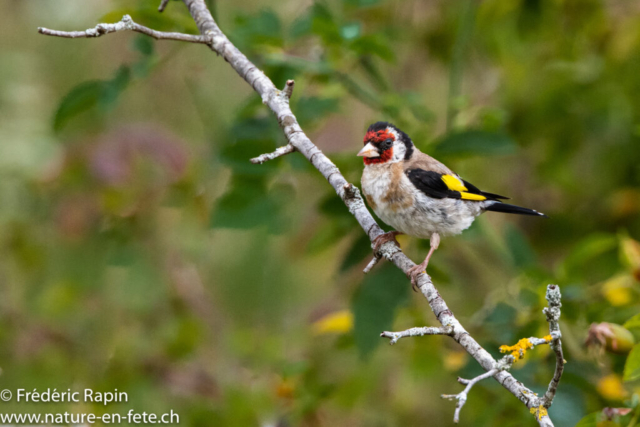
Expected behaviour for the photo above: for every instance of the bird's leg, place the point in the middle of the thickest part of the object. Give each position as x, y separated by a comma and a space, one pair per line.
384, 238
422, 267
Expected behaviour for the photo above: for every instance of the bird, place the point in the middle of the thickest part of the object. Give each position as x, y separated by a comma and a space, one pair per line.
419, 196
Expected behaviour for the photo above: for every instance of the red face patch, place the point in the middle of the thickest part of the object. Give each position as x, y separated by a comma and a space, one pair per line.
378, 137
385, 156
375, 138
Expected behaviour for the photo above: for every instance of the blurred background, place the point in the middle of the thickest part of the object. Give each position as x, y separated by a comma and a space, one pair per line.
140, 250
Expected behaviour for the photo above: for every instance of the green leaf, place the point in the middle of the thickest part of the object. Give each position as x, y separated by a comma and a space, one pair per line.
632, 366
632, 323
360, 249
374, 45
102, 93
373, 72
311, 109
587, 249
326, 236
590, 420
78, 100
248, 138
375, 304
323, 25
250, 203
301, 26
113, 88
475, 143
261, 28
144, 44
519, 248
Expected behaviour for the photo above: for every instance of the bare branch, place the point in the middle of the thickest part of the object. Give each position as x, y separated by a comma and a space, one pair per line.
553, 317
416, 332
163, 5
126, 24
462, 396
281, 151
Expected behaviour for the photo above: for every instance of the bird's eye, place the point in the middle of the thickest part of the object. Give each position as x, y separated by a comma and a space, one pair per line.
387, 143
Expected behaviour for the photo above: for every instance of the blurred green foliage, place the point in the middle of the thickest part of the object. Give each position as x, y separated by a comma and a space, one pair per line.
140, 250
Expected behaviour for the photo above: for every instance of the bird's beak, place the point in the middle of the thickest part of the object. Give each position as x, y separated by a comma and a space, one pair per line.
369, 151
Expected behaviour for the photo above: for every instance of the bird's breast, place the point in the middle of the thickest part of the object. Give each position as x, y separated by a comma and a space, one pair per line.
385, 189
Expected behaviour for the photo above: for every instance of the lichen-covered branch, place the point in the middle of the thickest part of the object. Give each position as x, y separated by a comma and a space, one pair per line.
519, 349
278, 102
537, 406
553, 317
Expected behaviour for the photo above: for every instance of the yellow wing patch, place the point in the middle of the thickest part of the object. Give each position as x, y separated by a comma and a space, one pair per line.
453, 183
471, 196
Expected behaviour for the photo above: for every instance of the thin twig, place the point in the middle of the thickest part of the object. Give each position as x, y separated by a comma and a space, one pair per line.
280, 151
376, 258
416, 332
288, 89
163, 5
462, 396
126, 24
553, 317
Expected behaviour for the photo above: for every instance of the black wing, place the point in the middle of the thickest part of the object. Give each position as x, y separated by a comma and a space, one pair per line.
475, 190
440, 186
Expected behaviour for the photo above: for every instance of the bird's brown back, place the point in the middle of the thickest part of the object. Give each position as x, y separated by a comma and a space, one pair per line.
419, 160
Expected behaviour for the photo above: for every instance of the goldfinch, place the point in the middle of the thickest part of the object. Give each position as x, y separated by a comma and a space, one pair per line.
417, 195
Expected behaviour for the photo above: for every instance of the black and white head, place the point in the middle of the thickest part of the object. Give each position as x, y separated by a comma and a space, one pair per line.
385, 143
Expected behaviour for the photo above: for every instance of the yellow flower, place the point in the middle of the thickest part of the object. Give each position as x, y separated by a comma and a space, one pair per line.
285, 389
611, 387
339, 322
618, 290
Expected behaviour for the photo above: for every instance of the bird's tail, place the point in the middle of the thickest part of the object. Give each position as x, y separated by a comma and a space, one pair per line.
512, 209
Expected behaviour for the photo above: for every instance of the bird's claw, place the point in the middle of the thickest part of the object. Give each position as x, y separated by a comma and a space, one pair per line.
384, 238
413, 274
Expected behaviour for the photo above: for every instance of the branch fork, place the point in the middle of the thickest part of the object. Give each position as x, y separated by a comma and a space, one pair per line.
287, 149
462, 396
